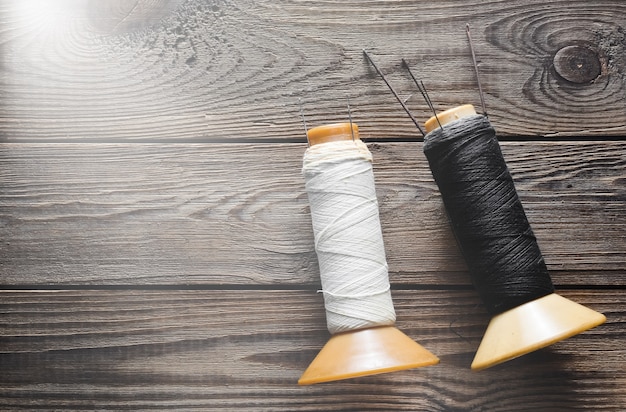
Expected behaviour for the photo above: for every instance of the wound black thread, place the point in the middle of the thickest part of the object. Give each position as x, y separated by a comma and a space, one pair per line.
487, 217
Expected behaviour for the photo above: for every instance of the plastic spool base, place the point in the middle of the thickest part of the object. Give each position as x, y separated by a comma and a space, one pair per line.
366, 352
531, 326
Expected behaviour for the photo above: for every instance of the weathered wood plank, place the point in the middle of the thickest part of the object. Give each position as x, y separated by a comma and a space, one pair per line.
244, 350
238, 214
109, 70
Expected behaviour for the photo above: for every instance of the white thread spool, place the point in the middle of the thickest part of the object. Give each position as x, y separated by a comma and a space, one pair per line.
348, 238
353, 268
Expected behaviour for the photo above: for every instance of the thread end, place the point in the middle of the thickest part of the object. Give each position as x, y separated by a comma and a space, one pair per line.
532, 326
366, 352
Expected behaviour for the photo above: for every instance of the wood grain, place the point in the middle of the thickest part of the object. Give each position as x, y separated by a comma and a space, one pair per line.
171, 70
155, 241
226, 350
238, 213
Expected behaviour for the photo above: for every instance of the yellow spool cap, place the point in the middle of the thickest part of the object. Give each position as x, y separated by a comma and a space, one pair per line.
332, 133
449, 116
368, 351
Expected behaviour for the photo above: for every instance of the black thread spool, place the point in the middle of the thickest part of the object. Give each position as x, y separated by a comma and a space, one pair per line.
496, 240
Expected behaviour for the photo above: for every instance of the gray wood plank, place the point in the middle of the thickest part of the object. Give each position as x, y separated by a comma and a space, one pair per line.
159, 214
244, 350
170, 70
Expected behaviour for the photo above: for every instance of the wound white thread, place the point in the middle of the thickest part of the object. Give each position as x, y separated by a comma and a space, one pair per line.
348, 237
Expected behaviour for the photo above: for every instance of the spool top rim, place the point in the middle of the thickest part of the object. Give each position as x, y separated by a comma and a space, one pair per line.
448, 116
332, 133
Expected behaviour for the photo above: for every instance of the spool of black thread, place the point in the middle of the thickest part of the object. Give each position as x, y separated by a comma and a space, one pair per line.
496, 240
488, 218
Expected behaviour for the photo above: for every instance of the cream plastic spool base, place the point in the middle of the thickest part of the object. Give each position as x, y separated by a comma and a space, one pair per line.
365, 351
532, 325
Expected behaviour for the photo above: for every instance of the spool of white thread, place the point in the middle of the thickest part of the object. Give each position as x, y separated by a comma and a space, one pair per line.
348, 237
349, 244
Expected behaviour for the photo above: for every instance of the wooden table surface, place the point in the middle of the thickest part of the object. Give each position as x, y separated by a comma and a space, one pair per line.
156, 244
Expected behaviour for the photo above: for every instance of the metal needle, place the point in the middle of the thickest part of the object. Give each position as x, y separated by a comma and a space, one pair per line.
350, 117
406, 109
422, 89
480, 89
306, 131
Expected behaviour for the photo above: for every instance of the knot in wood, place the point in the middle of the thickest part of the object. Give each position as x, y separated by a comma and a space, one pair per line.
577, 64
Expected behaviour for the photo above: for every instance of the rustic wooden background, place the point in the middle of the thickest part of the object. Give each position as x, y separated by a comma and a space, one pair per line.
156, 245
